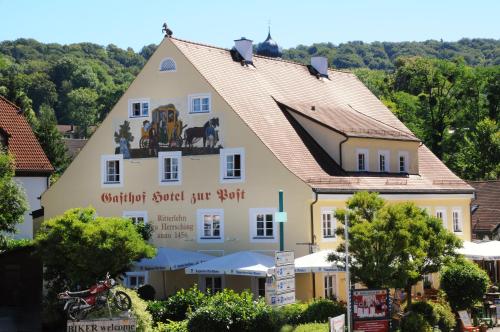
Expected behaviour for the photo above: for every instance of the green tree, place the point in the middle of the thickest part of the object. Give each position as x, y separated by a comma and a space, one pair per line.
83, 109
392, 245
13, 203
464, 283
51, 139
479, 156
79, 247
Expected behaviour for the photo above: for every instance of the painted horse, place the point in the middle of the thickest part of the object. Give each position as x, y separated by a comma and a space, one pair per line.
193, 134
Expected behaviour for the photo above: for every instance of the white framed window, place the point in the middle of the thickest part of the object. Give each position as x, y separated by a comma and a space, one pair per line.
136, 279
232, 165
212, 284
210, 225
170, 167
330, 286
403, 161
168, 65
328, 224
262, 225
136, 216
362, 160
200, 103
138, 108
112, 170
384, 161
456, 214
441, 214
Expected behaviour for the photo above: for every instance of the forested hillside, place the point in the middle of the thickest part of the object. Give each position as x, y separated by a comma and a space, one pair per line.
446, 92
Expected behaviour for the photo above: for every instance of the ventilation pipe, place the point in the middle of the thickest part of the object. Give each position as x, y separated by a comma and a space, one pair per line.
320, 64
245, 48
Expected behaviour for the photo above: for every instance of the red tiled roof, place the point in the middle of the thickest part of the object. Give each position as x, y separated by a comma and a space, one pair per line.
487, 215
22, 143
252, 91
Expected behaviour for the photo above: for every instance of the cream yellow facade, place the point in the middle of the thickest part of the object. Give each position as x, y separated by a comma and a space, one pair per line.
173, 209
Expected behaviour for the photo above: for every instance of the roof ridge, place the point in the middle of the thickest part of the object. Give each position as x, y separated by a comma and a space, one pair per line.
385, 124
259, 56
10, 103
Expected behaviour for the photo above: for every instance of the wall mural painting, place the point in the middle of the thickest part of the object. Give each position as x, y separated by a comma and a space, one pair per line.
167, 129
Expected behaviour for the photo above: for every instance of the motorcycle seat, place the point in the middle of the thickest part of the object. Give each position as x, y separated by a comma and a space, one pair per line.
80, 293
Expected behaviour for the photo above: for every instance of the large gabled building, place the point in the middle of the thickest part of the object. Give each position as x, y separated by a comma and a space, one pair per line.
204, 138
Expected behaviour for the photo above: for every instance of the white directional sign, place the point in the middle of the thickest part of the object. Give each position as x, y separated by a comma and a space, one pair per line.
284, 258
286, 271
285, 285
282, 299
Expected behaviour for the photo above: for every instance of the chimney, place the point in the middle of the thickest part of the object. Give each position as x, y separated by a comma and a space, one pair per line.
320, 64
245, 48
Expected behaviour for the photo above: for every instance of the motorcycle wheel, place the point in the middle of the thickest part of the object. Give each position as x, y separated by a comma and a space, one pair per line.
75, 312
122, 301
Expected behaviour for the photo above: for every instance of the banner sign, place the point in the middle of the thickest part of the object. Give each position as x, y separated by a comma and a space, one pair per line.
371, 309
102, 325
337, 324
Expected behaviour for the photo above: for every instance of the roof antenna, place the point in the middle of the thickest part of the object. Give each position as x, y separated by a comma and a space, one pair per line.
166, 30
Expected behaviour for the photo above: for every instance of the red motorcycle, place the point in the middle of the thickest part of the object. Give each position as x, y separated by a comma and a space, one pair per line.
78, 304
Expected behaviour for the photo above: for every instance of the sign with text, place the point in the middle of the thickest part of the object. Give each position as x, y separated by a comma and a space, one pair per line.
286, 271
372, 326
337, 324
371, 309
102, 325
283, 299
284, 258
285, 285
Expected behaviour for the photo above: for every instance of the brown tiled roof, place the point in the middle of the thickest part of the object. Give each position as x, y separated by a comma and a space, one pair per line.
487, 215
74, 145
347, 121
252, 92
22, 143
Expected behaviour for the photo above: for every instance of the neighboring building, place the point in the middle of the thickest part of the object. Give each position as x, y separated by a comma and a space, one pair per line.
74, 145
33, 168
485, 210
204, 138
269, 47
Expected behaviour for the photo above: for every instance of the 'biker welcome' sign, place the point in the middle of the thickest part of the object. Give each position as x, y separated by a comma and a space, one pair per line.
118, 324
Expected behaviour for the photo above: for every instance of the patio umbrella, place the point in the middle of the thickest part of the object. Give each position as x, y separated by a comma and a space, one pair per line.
172, 259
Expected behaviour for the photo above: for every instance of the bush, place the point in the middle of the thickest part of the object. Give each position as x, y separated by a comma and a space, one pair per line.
312, 327
415, 322
181, 303
464, 283
146, 292
230, 311
293, 314
158, 311
434, 313
172, 326
319, 310
139, 310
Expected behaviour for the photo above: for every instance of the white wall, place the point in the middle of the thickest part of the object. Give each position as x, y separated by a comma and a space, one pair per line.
34, 186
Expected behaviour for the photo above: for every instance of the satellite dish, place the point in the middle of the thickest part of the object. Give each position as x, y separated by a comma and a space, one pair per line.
166, 30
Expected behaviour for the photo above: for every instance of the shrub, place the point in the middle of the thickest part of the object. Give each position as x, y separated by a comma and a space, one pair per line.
139, 310
312, 327
293, 314
319, 310
184, 301
434, 313
230, 311
146, 292
172, 326
158, 311
464, 283
415, 322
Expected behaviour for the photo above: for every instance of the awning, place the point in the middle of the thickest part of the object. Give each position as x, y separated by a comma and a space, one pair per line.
317, 262
172, 259
245, 263
481, 251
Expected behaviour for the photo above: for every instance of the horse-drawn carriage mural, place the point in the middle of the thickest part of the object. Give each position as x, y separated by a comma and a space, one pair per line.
165, 130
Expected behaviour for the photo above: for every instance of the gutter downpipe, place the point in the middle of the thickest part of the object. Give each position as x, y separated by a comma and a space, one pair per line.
311, 210
340, 150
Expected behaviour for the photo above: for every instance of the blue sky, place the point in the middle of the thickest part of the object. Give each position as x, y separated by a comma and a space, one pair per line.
136, 23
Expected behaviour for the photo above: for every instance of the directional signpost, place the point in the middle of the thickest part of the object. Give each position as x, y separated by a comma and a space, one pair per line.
280, 288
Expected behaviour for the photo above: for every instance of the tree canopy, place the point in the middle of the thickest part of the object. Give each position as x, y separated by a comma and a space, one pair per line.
392, 245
